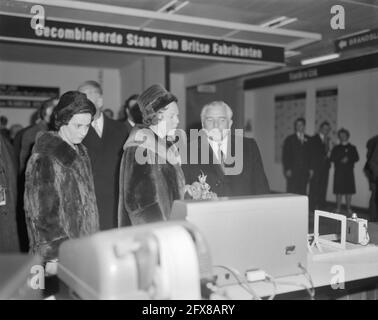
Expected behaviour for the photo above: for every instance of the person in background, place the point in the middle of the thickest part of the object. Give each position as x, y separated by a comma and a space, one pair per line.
372, 168
296, 159
60, 200
151, 177
3, 127
104, 141
13, 130
26, 145
371, 145
109, 113
9, 242
133, 115
28, 137
344, 156
320, 152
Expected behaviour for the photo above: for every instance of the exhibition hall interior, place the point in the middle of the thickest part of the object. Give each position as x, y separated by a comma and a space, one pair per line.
189, 150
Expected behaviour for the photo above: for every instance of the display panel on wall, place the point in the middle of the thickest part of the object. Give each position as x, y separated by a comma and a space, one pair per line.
326, 109
15, 96
288, 108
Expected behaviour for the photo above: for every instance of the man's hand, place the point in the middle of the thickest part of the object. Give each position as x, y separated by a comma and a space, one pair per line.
311, 173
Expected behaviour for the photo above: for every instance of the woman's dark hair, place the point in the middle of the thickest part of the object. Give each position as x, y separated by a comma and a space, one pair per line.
71, 103
134, 110
129, 99
343, 130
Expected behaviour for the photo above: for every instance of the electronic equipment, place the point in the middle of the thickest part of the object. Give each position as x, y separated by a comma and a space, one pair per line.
357, 230
267, 232
166, 260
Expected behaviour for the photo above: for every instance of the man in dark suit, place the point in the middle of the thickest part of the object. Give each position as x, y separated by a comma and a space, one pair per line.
320, 151
104, 141
295, 159
232, 163
371, 171
133, 115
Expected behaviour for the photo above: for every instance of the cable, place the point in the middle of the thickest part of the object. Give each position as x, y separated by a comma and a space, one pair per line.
241, 281
297, 284
217, 291
274, 282
308, 277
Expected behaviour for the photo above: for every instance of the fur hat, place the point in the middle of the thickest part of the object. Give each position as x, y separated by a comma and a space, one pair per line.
152, 100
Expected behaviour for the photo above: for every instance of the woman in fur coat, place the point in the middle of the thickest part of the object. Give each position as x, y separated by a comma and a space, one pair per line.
60, 201
9, 242
151, 177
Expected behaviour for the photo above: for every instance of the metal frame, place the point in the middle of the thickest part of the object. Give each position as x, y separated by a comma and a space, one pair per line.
318, 241
305, 37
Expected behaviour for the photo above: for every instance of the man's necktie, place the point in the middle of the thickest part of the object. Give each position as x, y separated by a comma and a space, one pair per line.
220, 155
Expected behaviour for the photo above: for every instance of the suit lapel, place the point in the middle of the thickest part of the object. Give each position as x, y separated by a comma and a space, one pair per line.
92, 135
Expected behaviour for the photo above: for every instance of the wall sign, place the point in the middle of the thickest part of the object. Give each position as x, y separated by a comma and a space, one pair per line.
14, 96
369, 61
17, 28
365, 39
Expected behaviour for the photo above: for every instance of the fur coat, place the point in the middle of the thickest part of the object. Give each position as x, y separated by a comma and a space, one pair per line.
9, 242
151, 178
60, 201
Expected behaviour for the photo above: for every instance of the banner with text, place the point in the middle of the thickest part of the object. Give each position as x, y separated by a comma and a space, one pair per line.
15, 96
18, 28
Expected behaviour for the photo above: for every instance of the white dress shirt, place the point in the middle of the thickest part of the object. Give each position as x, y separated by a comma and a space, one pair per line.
215, 145
98, 125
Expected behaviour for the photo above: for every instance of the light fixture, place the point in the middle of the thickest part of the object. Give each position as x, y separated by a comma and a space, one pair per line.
173, 6
167, 6
284, 22
320, 59
278, 22
273, 21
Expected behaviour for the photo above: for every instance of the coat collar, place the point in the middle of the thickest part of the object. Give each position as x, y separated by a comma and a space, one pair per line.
50, 143
144, 137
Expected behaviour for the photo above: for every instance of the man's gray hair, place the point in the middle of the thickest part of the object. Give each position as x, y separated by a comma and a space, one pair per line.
91, 84
206, 107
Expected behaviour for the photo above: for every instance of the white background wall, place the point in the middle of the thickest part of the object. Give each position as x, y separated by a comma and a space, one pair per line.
65, 77
357, 111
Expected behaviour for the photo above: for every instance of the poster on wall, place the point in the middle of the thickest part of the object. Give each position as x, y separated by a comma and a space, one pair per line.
29, 97
326, 109
287, 108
